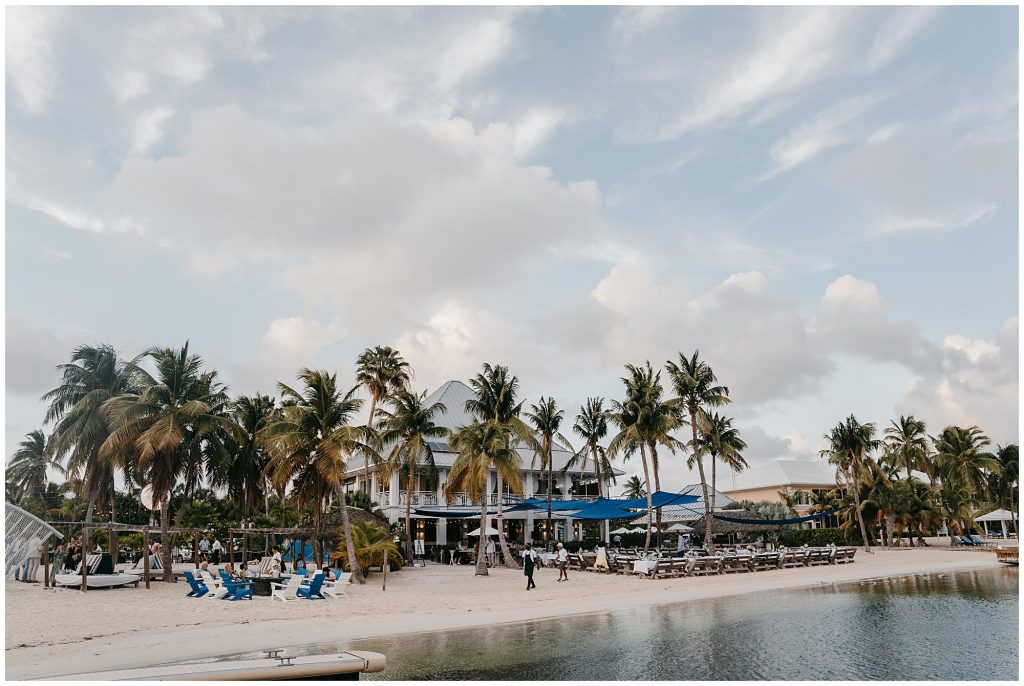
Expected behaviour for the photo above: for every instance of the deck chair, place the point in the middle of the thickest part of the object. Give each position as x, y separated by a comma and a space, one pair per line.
977, 541
314, 590
336, 589
959, 541
236, 590
287, 591
214, 585
199, 589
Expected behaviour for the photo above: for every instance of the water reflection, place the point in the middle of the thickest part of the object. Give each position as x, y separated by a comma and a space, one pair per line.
912, 627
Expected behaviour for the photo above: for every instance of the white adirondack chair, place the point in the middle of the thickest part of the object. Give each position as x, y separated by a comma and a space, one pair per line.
287, 591
336, 589
213, 582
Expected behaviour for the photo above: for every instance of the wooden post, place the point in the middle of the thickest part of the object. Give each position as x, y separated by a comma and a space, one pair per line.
195, 550
85, 559
145, 557
231, 547
46, 563
245, 547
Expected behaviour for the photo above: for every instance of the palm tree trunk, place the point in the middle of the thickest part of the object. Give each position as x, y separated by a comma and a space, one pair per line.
600, 490
366, 458
856, 505
111, 534
165, 538
890, 526
709, 537
714, 485
550, 484
481, 556
1013, 518
510, 562
650, 507
408, 516
350, 544
657, 486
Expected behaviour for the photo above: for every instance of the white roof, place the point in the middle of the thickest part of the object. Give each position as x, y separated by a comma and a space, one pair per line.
996, 516
782, 472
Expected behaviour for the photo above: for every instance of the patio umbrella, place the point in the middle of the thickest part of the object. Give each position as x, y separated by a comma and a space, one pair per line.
491, 531
680, 528
621, 530
639, 530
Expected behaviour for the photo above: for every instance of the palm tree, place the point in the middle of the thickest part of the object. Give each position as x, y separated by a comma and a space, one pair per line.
592, 426
697, 389
94, 376
382, 371
720, 440
547, 420
408, 428
310, 446
29, 464
850, 444
1004, 484
242, 473
495, 396
177, 412
481, 445
961, 458
907, 443
792, 499
635, 488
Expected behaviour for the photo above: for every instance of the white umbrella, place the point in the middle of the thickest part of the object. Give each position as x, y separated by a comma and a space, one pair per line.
621, 530
491, 531
680, 528
639, 530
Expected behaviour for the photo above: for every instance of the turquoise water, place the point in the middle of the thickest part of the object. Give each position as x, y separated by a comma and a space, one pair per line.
955, 626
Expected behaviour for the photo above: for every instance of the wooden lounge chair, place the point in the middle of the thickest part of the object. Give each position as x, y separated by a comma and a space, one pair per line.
845, 555
706, 565
732, 564
819, 556
623, 565
672, 568
795, 558
765, 561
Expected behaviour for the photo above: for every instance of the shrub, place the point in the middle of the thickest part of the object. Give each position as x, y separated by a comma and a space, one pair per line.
794, 538
373, 545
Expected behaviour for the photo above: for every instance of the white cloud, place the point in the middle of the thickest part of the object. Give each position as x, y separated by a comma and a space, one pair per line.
945, 221
342, 210
149, 128
535, 127
288, 345
31, 66
799, 49
896, 34
128, 84
33, 352
478, 47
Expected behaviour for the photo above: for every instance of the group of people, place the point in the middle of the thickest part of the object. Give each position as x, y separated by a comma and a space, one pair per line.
532, 560
210, 550
30, 567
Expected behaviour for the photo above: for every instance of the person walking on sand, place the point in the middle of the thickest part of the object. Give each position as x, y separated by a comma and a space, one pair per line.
529, 560
563, 563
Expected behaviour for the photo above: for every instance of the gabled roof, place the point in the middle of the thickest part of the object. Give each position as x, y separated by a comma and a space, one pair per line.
780, 473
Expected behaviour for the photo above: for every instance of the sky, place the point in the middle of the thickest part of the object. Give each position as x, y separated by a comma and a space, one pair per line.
823, 201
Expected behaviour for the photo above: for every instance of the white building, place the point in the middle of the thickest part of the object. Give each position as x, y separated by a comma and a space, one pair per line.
429, 492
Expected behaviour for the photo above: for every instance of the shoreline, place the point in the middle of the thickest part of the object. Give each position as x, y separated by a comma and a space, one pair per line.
161, 626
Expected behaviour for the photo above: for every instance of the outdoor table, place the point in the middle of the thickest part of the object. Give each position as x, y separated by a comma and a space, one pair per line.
261, 584
644, 566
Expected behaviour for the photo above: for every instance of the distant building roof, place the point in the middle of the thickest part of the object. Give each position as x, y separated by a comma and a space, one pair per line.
671, 514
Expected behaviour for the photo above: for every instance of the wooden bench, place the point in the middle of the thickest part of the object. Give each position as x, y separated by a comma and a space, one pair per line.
819, 556
671, 568
624, 565
844, 555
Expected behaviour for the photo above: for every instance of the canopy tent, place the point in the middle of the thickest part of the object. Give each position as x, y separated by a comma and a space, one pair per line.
491, 531
1001, 516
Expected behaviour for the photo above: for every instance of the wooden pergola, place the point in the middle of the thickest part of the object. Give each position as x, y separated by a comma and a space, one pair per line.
301, 533
145, 529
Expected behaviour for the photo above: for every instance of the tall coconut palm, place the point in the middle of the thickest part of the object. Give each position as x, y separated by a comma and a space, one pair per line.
907, 443
381, 370
721, 441
592, 426
635, 488
94, 375
697, 390
481, 445
961, 458
407, 430
1004, 484
310, 446
547, 420
176, 411
27, 470
242, 473
850, 444
495, 400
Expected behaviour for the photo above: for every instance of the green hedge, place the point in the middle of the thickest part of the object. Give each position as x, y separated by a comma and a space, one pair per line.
794, 538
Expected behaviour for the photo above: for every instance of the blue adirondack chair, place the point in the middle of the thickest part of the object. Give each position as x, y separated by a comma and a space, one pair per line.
236, 590
199, 589
312, 592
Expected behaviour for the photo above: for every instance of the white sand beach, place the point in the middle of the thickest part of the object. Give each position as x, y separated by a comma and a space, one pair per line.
54, 632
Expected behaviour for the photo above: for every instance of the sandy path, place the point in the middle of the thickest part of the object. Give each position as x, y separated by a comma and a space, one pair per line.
65, 631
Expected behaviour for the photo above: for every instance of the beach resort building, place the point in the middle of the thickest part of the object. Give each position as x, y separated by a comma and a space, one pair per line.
439, 523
